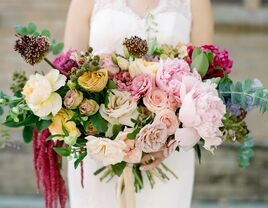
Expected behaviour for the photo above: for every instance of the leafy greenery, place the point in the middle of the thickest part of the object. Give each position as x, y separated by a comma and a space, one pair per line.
28, 133
99, 123
64, 152
42, 124
246, 153
28, 120
244, 93
118, 168
80, 158
57, 48
200, 61
133, 134
198, 152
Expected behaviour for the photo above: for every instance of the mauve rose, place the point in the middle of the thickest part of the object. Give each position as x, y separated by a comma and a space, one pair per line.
141, 86
156, 100
169, 118
152, 137
73, 99
123, 81
89, 107
64, 63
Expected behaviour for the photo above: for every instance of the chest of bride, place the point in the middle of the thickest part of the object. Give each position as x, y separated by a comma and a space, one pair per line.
111, 26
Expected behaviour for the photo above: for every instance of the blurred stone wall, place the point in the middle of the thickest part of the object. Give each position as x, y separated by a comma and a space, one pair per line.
218, 178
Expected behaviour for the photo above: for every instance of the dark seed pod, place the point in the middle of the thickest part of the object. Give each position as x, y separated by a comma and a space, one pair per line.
136, 46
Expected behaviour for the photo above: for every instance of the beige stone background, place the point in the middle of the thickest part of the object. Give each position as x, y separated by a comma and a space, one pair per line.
242, 30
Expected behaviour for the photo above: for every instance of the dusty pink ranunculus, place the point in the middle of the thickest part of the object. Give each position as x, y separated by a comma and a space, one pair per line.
108, 64
156, 100
169, 118
201, 114
132, 153
169, 76
123, 81
152, 137
141, 86
64, 63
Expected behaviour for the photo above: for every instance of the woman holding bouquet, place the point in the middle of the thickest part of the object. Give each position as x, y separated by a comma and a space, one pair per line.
104, 24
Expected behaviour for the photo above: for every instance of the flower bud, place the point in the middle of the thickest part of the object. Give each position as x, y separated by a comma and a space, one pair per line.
70, 140
122, 63
89, 107
15, 110
73, 99
2, 101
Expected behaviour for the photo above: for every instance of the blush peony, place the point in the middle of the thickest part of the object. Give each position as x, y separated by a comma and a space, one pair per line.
141, 86
201, 113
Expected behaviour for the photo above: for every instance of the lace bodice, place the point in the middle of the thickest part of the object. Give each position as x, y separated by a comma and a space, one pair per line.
113, 20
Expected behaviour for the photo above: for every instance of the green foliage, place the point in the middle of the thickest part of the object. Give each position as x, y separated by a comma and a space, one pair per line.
57, 48
133, 134
64, 152
4, 136
45, 33
244, 93
200, 62
116, 129
246, 153
80, 158
27, 134
42, 124
111, 85
1, 111
153, 44
99, 123
28, 120
119, 168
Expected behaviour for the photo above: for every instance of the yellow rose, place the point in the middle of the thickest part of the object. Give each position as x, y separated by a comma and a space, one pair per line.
61, 119
94, 81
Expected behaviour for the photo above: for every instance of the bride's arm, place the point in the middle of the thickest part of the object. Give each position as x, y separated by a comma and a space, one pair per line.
203, 24
77, 25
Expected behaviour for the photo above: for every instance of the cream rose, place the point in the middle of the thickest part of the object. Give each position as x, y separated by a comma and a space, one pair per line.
121, 108
73, 99
107, 151
89, 107
39, 93
140, 66
122, 63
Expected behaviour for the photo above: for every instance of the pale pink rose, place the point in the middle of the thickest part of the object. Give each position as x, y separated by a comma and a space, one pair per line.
156, 100
170, 147
169, 76
132, 153
201, 113
108, 64
173, 103
141, 86
169, 118
152, 137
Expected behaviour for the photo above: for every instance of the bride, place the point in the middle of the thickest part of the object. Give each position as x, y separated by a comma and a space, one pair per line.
104, 24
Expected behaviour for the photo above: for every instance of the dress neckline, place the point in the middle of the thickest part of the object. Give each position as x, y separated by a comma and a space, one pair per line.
138, 16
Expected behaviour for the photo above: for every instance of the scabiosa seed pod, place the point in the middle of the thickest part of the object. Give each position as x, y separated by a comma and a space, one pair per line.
136, 46
32, 49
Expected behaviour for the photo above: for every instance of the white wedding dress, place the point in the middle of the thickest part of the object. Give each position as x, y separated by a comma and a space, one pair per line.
111, 22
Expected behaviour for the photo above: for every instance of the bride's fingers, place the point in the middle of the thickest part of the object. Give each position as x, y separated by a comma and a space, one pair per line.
152, 165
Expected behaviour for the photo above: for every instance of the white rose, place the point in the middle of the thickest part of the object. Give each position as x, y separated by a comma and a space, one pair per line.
109, 152
39, 93
120, 109
139, 66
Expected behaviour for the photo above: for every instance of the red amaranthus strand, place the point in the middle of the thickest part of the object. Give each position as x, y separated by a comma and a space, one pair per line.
47, 168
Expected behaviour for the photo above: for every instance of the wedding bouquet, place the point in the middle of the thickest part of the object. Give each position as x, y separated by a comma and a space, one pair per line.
118, 108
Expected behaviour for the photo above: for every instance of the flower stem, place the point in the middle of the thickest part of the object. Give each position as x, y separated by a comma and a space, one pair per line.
50, 63
169, 170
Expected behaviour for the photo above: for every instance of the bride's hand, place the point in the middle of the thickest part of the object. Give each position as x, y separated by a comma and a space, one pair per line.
154, 158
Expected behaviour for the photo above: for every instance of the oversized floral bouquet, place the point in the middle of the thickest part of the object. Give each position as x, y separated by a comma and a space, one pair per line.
117, 108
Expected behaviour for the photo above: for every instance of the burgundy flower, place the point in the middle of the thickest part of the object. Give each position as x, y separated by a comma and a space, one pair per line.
221, 63
64, 63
